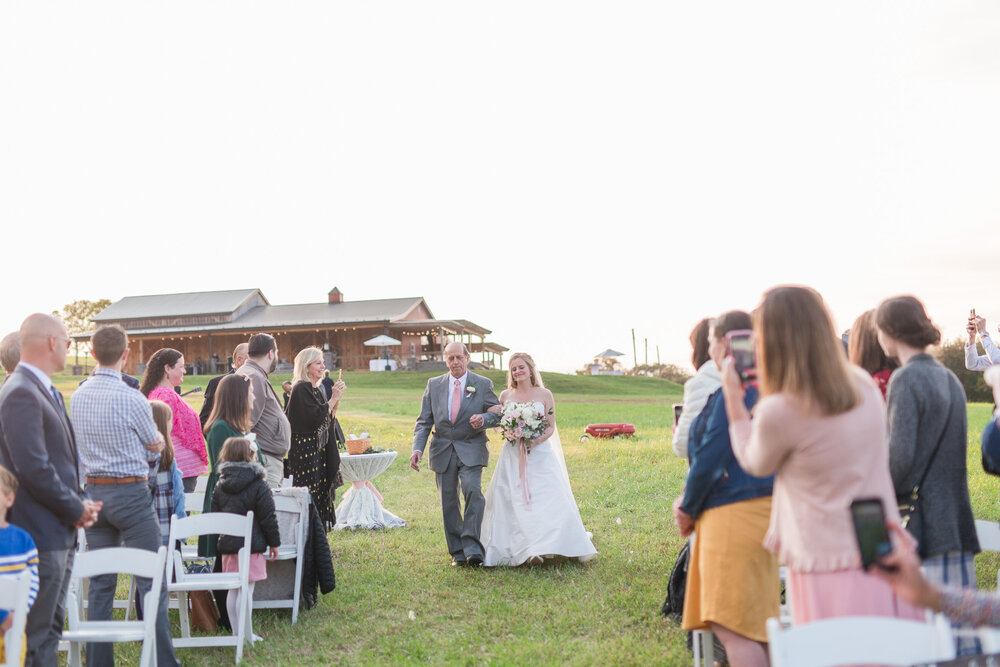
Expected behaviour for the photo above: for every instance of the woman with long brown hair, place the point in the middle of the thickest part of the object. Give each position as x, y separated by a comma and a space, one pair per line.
864, 351
164, 373
697, 389
230, 418
819, 427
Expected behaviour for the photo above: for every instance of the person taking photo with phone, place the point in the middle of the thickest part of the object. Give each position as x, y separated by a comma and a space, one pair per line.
729, 510
819, 427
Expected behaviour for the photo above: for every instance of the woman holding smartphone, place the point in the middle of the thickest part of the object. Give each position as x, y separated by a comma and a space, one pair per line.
732, 582
819, 427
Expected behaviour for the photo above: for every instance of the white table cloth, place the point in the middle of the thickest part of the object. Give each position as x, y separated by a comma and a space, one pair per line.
361, 506
375, 365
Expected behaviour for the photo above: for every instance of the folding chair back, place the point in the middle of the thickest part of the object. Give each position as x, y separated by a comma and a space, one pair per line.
14, 592
853, 640
213, 523
292, 548
116, 560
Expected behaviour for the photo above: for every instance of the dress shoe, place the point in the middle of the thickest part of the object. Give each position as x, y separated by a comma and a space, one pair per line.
459, 562
475, 561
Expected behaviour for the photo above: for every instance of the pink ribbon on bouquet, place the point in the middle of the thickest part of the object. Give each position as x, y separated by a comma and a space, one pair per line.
522, 455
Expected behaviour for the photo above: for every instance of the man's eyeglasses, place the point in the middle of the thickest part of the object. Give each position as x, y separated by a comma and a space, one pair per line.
69, 341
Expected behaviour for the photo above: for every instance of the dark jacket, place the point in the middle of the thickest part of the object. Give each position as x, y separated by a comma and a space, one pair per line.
206, 407
715, 478
926, 405
317, 568
38, 446
242, 489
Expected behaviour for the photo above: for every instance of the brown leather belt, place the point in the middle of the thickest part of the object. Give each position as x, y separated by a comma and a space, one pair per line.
115, 480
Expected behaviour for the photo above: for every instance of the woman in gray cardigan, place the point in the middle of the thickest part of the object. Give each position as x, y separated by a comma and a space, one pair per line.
927, 412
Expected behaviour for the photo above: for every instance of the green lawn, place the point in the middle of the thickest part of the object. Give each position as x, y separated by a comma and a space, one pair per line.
603, 612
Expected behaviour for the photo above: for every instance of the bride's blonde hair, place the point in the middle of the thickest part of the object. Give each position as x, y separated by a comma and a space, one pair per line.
536, 377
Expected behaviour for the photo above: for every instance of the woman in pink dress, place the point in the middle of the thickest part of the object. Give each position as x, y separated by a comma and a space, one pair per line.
164, 372
820, 428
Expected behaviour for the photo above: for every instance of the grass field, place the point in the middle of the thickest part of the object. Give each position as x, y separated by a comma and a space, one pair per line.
602, 612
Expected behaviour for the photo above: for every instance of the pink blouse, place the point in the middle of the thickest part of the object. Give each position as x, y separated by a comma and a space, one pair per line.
821, 464
185, 433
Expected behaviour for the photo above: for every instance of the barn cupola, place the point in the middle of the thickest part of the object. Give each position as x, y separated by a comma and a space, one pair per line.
335, 296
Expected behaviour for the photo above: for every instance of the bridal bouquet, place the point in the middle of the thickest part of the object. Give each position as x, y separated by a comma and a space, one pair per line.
522, 421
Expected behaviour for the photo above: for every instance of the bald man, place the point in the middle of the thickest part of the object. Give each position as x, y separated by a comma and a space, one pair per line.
37, 445
239, 358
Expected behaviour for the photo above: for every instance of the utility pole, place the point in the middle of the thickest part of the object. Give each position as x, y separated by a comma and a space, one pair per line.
657, 355
635, 357
646, 341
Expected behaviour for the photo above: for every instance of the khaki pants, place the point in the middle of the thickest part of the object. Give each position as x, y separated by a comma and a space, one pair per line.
274, 467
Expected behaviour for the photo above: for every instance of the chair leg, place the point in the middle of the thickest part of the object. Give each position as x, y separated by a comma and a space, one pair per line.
182, 608
131, 600
241, 632
75, 654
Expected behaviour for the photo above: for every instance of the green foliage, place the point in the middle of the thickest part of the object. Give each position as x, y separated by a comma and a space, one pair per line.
665, 371
952, 355
77, 315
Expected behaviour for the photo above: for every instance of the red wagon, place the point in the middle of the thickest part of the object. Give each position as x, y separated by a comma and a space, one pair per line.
608, 431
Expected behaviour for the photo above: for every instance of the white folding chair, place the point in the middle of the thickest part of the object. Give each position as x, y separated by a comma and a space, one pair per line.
988, 533
293, 548
853, 640
116, 560
213, 523
14, 592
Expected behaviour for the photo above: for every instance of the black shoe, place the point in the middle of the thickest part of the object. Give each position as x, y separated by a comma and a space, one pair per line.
459, 562
475, 561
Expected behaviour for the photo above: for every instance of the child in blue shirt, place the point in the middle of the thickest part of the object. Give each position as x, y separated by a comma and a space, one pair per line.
17, 554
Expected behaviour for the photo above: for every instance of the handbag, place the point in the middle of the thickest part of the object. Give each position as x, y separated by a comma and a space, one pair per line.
673, 605
908, 503
204, 614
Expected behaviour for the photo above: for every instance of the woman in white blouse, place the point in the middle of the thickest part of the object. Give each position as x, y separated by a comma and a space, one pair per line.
697, 389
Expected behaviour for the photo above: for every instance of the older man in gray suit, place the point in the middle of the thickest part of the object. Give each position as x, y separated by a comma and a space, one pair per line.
456, 406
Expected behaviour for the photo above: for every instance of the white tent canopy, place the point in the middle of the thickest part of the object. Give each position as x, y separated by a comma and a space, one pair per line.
382, 341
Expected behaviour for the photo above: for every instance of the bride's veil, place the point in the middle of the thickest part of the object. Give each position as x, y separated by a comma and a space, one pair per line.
556, 444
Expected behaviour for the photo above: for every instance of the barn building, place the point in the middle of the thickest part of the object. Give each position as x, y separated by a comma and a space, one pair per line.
206, 326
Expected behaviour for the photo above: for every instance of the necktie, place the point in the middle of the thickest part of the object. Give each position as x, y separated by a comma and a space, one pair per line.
456, 400
57, 396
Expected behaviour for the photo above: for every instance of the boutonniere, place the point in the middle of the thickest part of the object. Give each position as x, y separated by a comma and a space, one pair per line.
469, 390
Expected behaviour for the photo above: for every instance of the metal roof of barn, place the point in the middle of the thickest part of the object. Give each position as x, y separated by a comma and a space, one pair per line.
177, 305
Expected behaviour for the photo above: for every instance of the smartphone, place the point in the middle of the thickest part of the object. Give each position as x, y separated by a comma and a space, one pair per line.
741, 349
678, 409
869, 527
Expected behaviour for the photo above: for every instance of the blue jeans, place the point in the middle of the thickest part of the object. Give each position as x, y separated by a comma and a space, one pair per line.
127, 516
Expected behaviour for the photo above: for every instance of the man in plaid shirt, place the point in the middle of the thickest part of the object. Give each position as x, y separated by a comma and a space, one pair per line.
118, 442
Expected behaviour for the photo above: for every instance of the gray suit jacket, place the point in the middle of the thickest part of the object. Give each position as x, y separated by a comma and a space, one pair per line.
37, 445
469, 443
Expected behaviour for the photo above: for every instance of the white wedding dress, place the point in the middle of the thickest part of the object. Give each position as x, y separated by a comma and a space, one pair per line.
514, 531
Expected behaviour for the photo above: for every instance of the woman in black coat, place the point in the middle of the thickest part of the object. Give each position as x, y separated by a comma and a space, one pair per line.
313, 459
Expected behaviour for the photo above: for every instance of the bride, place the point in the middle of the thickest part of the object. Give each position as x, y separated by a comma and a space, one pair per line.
530, 510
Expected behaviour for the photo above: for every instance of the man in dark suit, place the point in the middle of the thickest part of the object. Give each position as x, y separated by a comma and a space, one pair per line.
239, 357
38, 446
456, 406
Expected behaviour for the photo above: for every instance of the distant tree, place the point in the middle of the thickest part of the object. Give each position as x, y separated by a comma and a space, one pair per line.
77, 315
665, 371
952, 355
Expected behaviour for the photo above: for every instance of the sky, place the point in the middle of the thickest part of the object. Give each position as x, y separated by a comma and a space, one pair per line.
558, 172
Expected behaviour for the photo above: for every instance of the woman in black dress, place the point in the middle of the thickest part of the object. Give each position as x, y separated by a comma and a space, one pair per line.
313, 460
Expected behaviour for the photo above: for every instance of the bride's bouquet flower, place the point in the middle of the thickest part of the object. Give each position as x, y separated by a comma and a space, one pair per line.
522, 422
